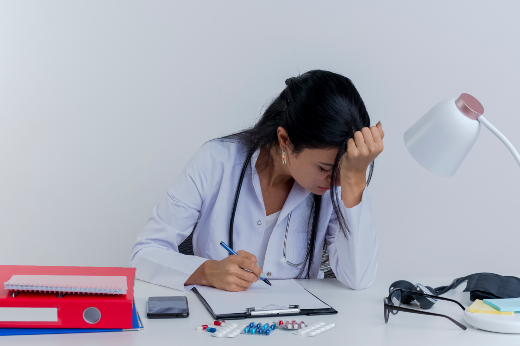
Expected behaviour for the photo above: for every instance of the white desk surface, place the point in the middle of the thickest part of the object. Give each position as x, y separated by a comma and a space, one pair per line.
360, 321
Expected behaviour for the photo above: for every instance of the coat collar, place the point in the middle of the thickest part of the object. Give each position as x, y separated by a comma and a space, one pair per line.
297, 194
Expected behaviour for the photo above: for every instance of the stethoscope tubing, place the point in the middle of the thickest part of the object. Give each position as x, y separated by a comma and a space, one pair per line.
237, 195
233, 212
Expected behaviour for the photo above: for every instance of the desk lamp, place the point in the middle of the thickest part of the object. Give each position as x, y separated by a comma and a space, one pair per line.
441, 139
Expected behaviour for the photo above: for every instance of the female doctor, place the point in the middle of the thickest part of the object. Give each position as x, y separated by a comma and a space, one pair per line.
303, 168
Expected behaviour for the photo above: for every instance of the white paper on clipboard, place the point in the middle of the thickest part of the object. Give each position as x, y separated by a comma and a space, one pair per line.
260, 295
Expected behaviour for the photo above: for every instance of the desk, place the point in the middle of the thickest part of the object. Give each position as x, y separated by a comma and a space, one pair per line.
359, 322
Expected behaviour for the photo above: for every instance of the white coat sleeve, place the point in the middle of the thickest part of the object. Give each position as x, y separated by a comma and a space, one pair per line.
354, 259
155, 254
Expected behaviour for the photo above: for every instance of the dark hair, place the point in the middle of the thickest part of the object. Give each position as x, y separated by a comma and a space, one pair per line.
318, 109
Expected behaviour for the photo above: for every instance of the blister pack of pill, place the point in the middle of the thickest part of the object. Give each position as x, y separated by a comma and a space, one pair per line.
259, 329
315, 329
291, 324
231, 330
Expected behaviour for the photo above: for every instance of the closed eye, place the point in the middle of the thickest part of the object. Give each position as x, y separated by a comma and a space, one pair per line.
325, 170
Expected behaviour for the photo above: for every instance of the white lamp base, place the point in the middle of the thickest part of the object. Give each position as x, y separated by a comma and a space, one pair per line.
494, 323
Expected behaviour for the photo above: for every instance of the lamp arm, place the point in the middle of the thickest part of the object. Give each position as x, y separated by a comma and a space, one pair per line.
500, 136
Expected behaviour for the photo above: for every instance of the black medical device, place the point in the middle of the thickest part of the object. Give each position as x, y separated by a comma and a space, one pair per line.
480, 286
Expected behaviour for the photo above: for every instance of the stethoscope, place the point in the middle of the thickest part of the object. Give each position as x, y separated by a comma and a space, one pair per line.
237, 194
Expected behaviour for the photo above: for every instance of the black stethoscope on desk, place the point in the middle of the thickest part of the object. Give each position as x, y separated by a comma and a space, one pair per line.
237, 194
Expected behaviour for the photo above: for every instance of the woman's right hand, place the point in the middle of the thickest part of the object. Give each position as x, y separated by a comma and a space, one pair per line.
228, 274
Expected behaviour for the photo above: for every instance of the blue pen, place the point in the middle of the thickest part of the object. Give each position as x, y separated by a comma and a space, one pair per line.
230, 250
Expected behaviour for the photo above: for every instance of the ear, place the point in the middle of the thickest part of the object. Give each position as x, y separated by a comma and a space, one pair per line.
283, 138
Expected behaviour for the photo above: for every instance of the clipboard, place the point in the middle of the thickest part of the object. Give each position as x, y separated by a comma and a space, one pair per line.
306, 303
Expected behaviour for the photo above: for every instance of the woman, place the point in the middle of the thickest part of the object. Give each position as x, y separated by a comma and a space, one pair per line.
304, 167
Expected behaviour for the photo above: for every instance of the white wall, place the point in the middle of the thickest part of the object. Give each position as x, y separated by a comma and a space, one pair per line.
102, 103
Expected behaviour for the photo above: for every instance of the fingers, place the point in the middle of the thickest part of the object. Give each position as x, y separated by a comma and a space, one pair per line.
378, 138
255, 268
245, 260
351, 147
245, 275
242, 285
247, 255
235, 284
358, 139
233, 273
381, 130
233, 277
356, 145
246, 263
366, 142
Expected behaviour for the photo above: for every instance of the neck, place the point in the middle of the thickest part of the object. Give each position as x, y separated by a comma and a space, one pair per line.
275, 173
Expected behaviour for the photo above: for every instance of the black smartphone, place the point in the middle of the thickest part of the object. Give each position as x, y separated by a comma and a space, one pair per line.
168, 307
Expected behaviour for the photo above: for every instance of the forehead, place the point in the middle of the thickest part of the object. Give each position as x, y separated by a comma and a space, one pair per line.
326, 155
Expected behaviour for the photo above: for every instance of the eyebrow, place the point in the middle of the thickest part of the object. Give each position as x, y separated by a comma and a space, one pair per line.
326, 164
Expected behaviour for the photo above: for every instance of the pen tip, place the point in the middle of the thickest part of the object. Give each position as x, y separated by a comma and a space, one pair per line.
267, 282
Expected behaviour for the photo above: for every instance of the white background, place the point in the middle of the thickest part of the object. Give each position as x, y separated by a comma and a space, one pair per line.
102, 103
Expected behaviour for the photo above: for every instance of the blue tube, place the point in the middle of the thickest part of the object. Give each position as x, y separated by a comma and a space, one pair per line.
268, 331
259, 325
211, 330
253, 331
251, 325
273, 326
246, 329
260, 331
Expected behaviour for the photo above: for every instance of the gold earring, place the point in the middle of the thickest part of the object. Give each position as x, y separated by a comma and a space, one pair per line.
284, 160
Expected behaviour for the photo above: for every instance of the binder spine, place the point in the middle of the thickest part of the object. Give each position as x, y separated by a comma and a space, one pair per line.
73, 314
67, 289
68, 283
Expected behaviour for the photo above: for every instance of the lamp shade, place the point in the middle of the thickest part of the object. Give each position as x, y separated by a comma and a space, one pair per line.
441, 139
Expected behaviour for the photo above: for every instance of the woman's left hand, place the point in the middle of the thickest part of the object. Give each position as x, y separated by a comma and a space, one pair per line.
362, 149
